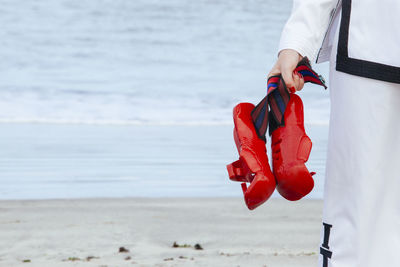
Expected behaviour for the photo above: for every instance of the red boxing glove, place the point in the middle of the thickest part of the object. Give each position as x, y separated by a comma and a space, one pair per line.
290, 150
252, 166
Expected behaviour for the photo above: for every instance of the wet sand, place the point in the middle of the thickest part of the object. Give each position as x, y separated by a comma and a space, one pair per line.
91, 232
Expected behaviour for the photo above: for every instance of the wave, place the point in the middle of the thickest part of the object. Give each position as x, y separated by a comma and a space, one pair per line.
115, 122
120, 109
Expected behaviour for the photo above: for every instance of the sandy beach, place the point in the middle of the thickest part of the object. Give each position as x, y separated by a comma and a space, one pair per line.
116, 129
91, 232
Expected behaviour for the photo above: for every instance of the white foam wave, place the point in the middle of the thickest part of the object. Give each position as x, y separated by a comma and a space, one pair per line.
116, 122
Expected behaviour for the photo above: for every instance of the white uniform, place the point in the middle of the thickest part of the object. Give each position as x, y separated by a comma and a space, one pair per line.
361, 218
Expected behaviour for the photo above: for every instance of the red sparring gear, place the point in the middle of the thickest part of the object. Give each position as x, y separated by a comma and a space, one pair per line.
290, 150
282, 113
252, 166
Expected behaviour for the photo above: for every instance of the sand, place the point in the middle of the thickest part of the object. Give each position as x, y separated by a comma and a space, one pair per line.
90, 232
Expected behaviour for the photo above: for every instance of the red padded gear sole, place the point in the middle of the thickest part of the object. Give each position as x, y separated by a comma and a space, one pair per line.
252, 166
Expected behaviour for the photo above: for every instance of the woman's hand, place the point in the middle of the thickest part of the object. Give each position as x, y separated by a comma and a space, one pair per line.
286, 63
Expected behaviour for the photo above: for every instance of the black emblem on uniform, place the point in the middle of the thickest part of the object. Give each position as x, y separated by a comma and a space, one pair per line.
324, 249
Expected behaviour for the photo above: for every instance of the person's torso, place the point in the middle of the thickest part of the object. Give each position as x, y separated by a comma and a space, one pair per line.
369, 39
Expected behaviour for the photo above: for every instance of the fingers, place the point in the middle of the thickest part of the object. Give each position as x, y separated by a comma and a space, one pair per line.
301, 85
294, 81
288, 77
298, 82
285, 65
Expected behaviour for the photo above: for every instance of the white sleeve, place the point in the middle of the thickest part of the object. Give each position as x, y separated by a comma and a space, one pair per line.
305, 28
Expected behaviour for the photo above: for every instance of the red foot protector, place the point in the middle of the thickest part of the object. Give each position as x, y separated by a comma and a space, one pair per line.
252, 166
290, 150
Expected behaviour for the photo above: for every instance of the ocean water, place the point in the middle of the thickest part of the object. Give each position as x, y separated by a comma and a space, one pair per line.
78, 74
46, 161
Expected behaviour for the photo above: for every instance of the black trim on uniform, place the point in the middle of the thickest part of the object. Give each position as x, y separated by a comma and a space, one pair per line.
363, 68
324, 249
327, 233
326, 256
